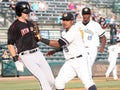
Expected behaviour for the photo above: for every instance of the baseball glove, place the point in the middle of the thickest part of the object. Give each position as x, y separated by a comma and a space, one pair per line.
19, 66
36, 32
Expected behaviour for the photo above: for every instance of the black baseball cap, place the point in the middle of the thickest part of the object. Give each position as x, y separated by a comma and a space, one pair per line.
86, 10
67, 16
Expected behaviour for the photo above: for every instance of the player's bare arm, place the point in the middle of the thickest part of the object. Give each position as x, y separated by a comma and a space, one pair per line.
49, 53
103, 42
12, 50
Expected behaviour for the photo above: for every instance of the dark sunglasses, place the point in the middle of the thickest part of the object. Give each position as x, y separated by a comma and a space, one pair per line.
66, 19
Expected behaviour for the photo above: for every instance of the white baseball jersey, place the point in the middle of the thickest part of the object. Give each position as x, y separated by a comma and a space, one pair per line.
76, 60
75, 48
90, 32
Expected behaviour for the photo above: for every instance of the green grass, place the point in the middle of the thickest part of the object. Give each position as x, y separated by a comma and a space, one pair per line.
18, 84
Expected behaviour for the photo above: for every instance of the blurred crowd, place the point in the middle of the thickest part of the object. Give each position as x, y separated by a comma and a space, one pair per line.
35, 5
106, 22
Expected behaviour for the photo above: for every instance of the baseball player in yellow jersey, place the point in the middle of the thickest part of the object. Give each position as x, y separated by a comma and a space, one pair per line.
113, 51
91, 32
73, 47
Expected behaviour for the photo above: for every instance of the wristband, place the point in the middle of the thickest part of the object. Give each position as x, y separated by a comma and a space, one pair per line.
58, 49
46, 41
15, 58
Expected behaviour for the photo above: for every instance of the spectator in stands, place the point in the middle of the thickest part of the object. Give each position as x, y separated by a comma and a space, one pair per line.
43, 5
102, 22
33, 17
59, 19
12, 6
71, 6
78, 17
5, 55
35, 6
113, 30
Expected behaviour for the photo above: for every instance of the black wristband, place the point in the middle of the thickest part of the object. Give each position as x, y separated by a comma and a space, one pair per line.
15, 58
46, 41
58, 49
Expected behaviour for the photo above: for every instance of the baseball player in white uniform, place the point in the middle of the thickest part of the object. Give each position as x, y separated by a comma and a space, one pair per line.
91, 32
113, 51
75, 54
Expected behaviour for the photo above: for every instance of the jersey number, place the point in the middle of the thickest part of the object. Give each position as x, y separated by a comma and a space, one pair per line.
90, 37
65, 49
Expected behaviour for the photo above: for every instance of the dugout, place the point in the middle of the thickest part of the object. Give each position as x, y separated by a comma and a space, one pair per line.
9, 69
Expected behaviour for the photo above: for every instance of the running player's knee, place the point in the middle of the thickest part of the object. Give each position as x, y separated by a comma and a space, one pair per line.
60, 85
92, 88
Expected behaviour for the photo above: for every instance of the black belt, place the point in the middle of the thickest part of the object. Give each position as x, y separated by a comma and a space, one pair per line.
76, 57
29, 51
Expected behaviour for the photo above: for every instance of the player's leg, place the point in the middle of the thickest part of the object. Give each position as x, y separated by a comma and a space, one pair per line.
32, 63
112, 63
84, 74
65, 74
115, 73
92, 88
47, 70
92, 54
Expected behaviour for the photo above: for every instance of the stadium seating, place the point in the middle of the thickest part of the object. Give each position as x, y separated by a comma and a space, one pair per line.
46, 17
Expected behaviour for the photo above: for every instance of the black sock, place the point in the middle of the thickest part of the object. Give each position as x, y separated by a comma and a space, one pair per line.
59, 89
92, 88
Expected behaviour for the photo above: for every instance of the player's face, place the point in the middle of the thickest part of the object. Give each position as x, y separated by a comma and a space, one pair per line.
86, 18
67, 24
118, 44
25, 16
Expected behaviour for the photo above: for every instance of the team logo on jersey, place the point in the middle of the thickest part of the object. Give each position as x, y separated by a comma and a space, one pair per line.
89, 31
24, 31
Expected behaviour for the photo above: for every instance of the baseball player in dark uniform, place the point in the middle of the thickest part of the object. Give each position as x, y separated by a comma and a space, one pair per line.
75, 54
21, 35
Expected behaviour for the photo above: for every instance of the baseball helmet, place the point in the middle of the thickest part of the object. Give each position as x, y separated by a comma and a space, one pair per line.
22, 7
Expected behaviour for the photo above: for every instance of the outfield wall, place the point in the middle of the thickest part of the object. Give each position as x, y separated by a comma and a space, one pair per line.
8, 69
99, 68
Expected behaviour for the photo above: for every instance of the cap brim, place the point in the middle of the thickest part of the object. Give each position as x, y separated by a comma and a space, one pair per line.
85, 13
66, 18
27, 11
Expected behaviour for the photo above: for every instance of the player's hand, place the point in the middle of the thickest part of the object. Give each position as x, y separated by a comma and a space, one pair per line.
49, 53
101, 49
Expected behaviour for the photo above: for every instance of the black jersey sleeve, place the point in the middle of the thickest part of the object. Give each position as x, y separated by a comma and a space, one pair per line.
10, 37
62, 41
12, 32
